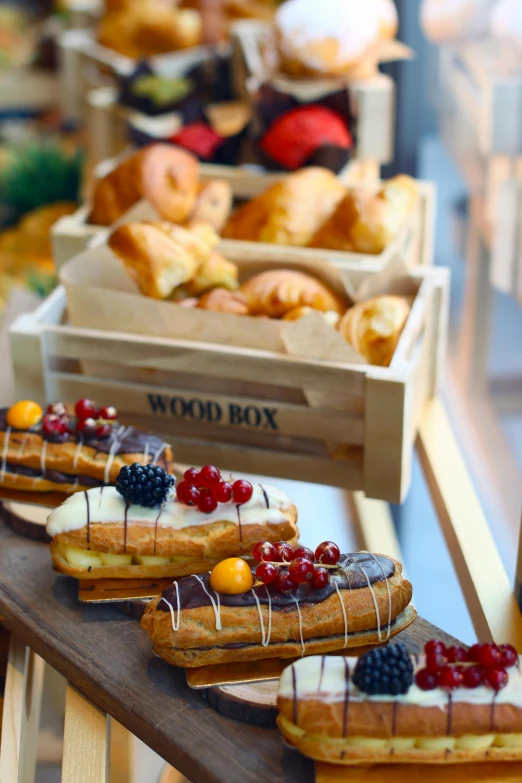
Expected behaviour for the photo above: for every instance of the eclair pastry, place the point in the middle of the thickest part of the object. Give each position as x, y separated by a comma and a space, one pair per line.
325, 716
100, 535
365, 602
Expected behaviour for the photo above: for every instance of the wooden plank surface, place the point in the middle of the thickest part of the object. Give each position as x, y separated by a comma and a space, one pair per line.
85, 741
107, 656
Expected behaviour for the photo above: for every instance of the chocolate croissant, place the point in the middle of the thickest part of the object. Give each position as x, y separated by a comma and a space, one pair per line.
365, 602
325, 716
289, 212
97, 534
275, 292
164, 175
374, 327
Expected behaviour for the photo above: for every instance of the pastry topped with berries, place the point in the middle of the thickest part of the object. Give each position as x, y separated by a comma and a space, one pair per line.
145, 526
292, 603
69, 448
448, 706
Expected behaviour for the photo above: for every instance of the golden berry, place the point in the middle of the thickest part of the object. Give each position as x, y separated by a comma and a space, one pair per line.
24, 414
232, 576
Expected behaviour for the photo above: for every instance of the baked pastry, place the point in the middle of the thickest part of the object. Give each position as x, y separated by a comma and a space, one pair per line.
213, 204
325, 712
444, 21
148, 28
70, 449
388, 18
103, 535
326, 39
289, 212
364, 601
296, 313
374, 327
221, 300
160, 256
366, 223
275, 292
215, 271
164, 175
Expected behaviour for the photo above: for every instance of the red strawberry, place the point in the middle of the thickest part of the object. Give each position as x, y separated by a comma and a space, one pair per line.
199, 138
294, 136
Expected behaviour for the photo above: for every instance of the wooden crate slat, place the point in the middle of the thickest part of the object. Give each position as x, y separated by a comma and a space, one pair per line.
205, 358
227, 411
85, 741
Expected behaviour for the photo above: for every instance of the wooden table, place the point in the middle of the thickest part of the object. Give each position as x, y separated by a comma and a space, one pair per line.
108, 657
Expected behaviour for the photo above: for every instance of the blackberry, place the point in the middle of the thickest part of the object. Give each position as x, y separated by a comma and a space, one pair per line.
144, 485
387, 670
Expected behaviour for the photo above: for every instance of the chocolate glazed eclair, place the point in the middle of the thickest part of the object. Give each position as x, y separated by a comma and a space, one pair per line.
365, 602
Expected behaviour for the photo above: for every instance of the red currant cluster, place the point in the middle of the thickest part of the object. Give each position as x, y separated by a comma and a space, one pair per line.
455, 667
91, 422
286, 569
205, 489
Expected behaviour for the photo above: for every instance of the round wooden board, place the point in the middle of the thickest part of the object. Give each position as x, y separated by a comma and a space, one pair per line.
250, 702
26, 519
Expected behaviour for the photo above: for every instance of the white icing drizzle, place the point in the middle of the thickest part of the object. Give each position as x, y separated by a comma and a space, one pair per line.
43, 454
112, 452
269, 615
4, 452
216, 606
344, 614
175, 623
377, 615
159, 452
264, 642
77, 453
388, 589
300, 625
22, 448
146, 453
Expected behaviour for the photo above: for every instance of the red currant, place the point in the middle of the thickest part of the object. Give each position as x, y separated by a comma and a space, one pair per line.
472, 677
509, 655
319, 579
426, 680
327, 553
266, 573
86, 428
58, 408
450, 678
223, 491
496, 678
191, 476
473, 652
301, 570
85, 409
54, 425
264, 550
434, 663
242, 490
187, 493
103, 431
209, 476
456, 654
434, 647
489, 655
109, 413
303, 551
207, 503
283, 552
284, 583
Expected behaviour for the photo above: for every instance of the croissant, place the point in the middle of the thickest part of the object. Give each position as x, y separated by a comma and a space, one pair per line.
365, 223
289, 212
374, 327
199, 238
277, 291
165, 175
213, 204
156, 261
214, 272
299, 312
223, 301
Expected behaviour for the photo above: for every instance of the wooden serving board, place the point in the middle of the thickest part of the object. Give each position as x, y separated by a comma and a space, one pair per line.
26, 519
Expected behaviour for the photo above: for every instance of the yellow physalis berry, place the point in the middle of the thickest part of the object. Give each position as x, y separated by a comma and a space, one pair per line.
24, 414
232, 576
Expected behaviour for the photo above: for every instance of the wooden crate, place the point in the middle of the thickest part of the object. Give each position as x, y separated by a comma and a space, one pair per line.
484, 80
351, 425
72, 234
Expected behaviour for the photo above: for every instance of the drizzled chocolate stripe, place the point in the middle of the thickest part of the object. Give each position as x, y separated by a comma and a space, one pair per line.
348, 577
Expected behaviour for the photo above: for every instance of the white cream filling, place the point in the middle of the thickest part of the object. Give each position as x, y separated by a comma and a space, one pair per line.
309, 672
106, 506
